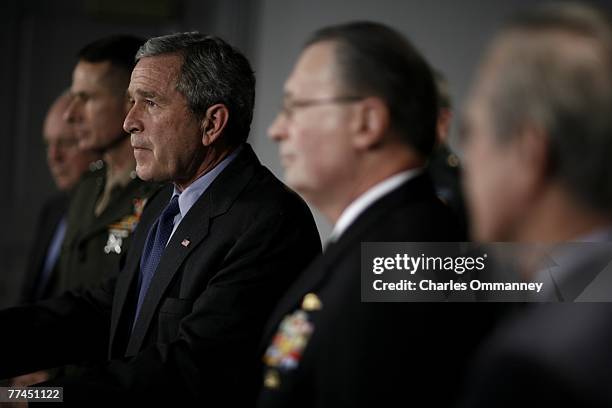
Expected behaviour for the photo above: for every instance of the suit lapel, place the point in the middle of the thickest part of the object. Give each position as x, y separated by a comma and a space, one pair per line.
311, 278
215, 201
130, 271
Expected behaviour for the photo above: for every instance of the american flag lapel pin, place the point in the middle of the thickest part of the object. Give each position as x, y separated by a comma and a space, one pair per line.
185, 243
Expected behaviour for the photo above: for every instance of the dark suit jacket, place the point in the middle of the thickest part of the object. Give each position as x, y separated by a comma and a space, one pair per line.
52, 212
552, 354
373, 354
232, 256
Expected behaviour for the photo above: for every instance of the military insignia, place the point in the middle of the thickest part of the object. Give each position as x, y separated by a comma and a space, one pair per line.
289, 342
97, 165
311, 302
452, 160
120, 230
272, 379
115, 240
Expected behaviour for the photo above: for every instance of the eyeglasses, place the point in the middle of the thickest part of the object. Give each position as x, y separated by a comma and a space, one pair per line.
290, 106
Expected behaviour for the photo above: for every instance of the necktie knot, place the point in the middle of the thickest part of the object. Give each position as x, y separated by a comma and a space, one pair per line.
170, 211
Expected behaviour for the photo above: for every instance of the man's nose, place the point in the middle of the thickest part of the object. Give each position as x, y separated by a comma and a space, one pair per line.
132, 122
71, 114
278, 128
54, 153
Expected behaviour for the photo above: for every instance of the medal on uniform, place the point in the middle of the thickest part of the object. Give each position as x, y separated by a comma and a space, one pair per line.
120, 230
311, 302
289, 342
115, 240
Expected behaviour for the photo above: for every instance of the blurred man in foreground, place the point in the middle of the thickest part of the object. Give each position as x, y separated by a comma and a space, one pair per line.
357, 127
538, 144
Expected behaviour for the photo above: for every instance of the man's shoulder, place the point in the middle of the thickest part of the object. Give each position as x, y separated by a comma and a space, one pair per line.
252, 183
265, 199
268, 187
410, 212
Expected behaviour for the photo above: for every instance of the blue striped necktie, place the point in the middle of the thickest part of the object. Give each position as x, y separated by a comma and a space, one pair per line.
158, 237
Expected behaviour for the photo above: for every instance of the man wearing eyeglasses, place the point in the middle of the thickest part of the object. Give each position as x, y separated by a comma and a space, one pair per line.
357, 127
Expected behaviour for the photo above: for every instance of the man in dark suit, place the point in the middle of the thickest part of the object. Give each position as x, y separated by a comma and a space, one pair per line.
212, 254
357, 126
67, 163
538, 146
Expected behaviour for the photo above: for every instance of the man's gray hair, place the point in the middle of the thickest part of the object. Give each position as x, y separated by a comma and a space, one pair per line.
557, 75
212, 72
377, 60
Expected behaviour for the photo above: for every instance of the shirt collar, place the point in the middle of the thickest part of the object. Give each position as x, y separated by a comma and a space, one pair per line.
194, 191
359, 205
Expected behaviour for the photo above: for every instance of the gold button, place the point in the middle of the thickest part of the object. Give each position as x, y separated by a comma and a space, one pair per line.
271, 379
311, 302
453, 160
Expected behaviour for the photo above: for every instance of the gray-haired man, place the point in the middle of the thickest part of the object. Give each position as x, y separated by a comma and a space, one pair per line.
538, 146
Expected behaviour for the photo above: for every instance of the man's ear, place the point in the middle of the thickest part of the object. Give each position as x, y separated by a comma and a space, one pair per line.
532, 157
214, 123
372, 122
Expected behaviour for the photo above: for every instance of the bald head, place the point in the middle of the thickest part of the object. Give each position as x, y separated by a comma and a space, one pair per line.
66, 162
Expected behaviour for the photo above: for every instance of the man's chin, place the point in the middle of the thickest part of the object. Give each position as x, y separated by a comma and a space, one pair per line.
294, 183
65, 185
85, 141
145, 174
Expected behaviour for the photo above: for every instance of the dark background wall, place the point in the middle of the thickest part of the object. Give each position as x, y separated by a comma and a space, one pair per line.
38, 41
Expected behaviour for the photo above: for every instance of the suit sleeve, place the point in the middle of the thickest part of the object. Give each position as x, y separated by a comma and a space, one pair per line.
213, 357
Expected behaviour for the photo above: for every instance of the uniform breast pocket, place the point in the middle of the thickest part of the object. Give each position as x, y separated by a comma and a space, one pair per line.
171, 312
